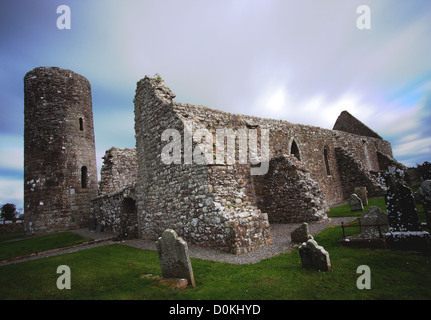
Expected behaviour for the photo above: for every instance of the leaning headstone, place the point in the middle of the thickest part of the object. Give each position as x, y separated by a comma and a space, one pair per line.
355, 203
174, 257
374, 216
301, 234
361, 192
314, 256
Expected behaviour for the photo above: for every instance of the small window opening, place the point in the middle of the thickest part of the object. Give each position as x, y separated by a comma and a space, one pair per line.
81, 124
325, 155
84, 178
295, 150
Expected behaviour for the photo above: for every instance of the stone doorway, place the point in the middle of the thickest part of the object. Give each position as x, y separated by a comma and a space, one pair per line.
128, 219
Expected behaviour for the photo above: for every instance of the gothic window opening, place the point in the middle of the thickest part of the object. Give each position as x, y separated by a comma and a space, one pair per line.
84, 178
295, 150
326, 156
81, 124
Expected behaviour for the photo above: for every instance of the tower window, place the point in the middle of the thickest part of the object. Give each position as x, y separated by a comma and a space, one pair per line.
295, 150
81, 124
325, 155
84, 178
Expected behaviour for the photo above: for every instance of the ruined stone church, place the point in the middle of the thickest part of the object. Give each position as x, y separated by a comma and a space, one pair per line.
216, 204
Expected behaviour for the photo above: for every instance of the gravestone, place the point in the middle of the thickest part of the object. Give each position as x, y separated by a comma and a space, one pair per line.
374, 216
425, 195
174, 257
401, 207
314, 256
405, 228
355, 203
361, 192
301, 234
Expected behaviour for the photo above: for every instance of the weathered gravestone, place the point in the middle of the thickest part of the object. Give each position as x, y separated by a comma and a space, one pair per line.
401, 207
301, 234
314, 256
425, 195
174, 257
355, 203
405, 228
371, 221
361, 192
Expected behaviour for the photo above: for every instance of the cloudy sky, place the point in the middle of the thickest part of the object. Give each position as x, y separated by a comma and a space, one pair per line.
303, 61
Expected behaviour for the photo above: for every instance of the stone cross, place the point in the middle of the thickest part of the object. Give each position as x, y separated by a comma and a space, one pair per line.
314, 256
174, 257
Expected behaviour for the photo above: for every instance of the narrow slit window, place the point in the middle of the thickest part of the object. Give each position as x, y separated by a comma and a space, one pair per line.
325, 155
81, 124
295, 150
84, 178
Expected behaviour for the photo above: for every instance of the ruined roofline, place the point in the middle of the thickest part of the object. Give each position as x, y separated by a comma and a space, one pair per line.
165, 93
348, 123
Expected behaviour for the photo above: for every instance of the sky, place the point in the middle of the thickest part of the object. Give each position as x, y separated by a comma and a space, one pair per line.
304, 61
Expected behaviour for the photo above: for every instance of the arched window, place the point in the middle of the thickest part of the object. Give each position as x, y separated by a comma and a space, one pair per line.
84, 178
81, 124
326, 155
295, 150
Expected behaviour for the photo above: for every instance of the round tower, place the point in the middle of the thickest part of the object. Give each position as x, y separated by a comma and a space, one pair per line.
60, 172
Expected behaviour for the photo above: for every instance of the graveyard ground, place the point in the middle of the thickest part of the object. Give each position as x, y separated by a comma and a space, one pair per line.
116, 272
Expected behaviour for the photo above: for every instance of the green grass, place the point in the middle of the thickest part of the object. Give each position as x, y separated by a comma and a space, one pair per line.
344, 210
114, 272
24, 247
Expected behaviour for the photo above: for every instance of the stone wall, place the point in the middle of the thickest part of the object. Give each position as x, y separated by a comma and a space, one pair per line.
205, 203
15, 227
184, 197
117, 213
60, 174
288, 194
119, 170
354, 175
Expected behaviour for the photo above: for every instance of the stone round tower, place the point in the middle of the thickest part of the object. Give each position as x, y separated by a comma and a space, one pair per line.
60, 172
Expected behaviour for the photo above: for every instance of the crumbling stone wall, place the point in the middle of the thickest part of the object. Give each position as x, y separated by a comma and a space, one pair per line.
117, 213
183, 196
354, 175
115, 207
288, 194
60, 174
119, 170
204, 203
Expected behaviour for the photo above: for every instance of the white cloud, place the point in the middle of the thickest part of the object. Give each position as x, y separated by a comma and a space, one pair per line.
11, 152
11, 191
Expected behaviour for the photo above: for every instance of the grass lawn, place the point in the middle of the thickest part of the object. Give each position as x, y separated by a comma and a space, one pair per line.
37, 244
114, 272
